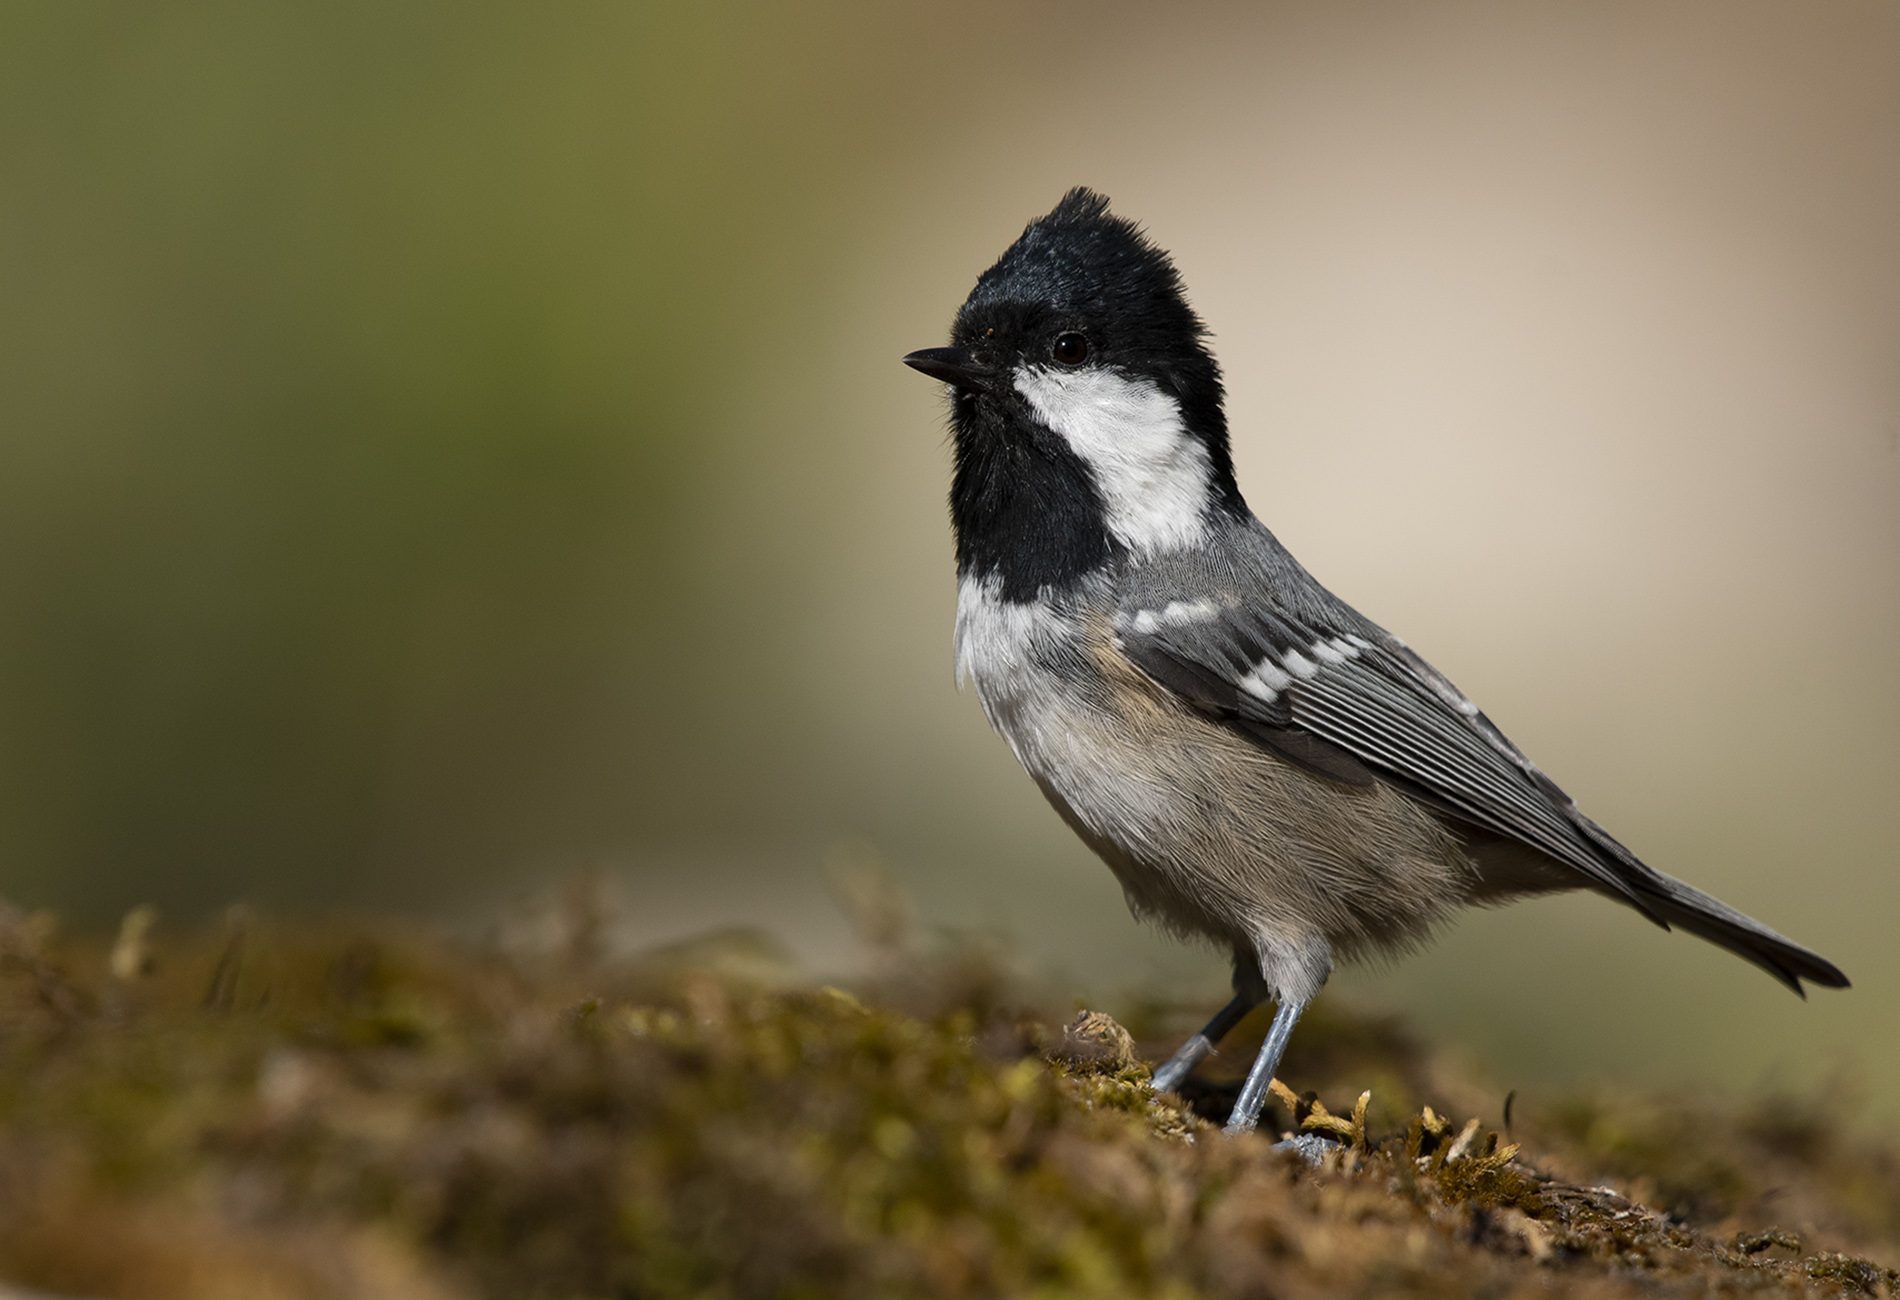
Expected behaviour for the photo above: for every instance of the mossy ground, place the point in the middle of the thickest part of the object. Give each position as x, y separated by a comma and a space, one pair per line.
370, 1112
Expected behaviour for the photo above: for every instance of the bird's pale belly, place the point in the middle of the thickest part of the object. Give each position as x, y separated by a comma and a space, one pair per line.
1208, 833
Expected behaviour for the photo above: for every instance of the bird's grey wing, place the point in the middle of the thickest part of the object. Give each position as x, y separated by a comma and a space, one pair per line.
1356, 707
1340, 696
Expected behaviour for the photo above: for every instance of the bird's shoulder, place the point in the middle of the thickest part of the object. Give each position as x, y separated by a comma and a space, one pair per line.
1233, 601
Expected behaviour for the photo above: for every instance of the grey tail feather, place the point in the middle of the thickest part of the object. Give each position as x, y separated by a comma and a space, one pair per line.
1708, 918
1670, 902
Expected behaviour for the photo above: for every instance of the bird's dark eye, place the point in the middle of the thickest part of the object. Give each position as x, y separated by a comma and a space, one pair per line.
1071, 349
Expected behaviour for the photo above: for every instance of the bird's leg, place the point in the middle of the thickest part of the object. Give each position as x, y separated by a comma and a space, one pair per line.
1253, 1097
1169, 1077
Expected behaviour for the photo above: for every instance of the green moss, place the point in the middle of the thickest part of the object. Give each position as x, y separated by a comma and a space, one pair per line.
1857, 1275
371, 1114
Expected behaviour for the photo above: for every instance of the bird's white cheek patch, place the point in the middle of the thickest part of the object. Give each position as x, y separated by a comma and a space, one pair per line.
1153, 474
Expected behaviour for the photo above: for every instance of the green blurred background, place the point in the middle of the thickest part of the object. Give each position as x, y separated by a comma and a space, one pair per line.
448, 448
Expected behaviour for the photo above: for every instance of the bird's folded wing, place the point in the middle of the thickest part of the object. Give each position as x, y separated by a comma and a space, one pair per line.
1359, 707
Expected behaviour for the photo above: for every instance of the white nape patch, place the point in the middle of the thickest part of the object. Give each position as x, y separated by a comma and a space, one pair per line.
1299, 665
1266, 681
1153, 474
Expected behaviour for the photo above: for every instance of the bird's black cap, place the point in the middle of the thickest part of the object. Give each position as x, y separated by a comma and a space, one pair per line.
1080, 288
1082, 266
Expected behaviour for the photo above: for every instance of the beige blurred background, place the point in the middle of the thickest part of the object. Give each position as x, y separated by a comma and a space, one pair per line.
444, 449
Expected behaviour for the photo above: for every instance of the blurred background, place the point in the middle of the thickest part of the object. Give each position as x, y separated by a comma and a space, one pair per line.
446, 449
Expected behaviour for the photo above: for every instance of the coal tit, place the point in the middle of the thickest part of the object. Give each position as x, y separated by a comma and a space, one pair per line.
1258, 763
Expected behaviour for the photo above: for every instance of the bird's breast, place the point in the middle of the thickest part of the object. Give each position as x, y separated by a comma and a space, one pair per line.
1076, 713
1204, 828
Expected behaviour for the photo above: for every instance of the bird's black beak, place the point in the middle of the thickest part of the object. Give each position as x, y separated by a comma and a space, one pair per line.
957, 366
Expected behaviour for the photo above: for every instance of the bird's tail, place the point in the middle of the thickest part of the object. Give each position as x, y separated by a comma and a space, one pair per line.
1675, 903
1669, 901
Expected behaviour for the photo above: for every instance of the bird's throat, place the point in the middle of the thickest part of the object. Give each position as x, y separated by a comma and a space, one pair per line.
1024, 507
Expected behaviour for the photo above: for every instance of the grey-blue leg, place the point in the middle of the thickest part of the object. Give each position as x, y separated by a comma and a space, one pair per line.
1253, 1097
1168, 1078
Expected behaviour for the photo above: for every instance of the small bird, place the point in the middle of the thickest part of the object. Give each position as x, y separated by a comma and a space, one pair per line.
1257, 762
